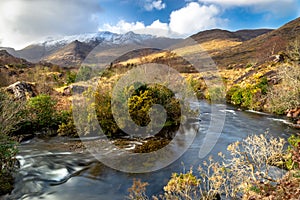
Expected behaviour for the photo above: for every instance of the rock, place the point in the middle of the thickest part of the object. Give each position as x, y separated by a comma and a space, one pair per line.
293, 113
22, 90
78, 89
67, 91
278, 58
296, 113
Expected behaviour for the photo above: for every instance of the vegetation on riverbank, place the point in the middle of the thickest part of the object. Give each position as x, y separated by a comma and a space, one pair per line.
11, 114
246, 172
18, 117
139, 99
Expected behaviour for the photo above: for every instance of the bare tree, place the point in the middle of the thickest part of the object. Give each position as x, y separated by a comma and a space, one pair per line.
10, 113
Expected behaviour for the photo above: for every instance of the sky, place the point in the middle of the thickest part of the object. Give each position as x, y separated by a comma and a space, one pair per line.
23, 22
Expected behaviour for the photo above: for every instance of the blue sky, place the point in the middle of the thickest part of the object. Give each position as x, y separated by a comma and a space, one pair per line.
26, 21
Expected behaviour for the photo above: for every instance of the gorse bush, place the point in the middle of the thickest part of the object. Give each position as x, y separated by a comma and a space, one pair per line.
146, 96
140, 102
250, 96
67, 126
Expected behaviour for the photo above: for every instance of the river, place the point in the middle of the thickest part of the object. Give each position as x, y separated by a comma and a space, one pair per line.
47, 171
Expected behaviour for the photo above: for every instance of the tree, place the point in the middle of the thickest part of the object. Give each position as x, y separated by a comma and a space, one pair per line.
12, 113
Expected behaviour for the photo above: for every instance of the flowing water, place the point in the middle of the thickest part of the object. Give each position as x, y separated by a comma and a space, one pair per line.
49, 171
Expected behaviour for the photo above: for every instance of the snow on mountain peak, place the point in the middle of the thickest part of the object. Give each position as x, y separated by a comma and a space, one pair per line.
103, 36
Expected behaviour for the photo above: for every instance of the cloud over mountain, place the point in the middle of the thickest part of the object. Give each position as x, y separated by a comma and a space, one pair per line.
185, 21
23, 21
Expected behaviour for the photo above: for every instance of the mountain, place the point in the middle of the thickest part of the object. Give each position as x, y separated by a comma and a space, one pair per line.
213, 42
71, 50
71, 54
218, 34
7, 59
261, 48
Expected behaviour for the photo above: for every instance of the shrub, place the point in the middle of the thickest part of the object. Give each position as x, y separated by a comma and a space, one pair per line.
216, 94
139, 104
71, 77
287, 95
8, 151
244, 174
11, 115
67, 126
42, 111
182, 186
293, 156
198, 86
137, 190
249, 96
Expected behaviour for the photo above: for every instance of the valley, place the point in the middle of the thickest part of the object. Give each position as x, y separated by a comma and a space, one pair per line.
115, 98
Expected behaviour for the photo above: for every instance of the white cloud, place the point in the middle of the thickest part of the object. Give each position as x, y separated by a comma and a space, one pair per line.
183, 22
156, 28
194, 18
154, 4
25, 21
123, 27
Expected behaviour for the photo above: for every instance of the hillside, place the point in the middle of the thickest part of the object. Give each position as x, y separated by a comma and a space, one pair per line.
70, 55
261, 48
218, 34
7, 59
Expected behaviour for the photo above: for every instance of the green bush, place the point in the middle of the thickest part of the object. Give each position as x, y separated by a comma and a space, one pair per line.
42, 111
293, 156
198, 86
71, 77
67, 126
216, 94
249, 96
139, 104
8, 151
294, 140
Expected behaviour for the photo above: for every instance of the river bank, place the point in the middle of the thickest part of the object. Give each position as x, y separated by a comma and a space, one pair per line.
56, 168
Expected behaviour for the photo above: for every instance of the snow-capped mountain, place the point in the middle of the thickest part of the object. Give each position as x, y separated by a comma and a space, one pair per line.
72, 50
99, 37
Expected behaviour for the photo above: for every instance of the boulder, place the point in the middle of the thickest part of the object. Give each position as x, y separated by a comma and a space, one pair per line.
76, 89
293, 113
22, 90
